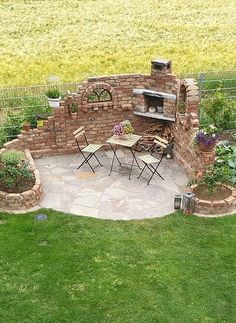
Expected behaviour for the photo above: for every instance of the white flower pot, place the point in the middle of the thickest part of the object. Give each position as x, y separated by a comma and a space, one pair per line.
54, 103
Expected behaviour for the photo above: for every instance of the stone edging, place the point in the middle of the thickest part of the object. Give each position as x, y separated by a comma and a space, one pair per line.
216, 207
27, 199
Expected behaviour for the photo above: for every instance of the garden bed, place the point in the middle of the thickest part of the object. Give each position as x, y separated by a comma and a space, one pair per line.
223, 201
27, 196
221, 192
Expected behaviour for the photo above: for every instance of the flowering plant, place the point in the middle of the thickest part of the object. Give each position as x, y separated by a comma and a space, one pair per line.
207, 136
127, 127
123, 128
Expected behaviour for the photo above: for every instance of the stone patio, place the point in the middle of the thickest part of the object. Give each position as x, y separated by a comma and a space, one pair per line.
113, 197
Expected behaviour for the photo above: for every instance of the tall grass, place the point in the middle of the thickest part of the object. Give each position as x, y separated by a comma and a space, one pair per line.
75, 39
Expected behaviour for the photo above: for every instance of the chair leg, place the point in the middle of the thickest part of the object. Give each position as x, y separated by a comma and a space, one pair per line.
97, 160
145, 165
86, 161
154, 171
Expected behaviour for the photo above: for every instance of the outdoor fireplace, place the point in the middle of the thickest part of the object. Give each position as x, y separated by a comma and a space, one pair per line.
157, 99
154, 104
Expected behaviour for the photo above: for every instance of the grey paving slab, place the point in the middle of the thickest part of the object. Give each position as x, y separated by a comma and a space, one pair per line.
113, 197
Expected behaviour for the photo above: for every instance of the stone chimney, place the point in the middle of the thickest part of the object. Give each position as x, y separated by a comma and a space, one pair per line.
160, 65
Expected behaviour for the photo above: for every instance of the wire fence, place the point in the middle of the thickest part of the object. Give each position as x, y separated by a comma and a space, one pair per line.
210, 82
26, 102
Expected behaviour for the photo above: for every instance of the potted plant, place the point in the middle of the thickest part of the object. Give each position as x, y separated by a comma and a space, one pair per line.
181, 108
40, 120
26, 126
123, 130
206, 138
54, 98
73, 110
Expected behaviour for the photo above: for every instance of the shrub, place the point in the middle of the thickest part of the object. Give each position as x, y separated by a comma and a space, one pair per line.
12, 125
33, 107
73, 108
213, 177
14, 170
226, 158
219, 109
53, 93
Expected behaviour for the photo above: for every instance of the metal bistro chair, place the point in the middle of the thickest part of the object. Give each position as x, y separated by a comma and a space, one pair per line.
89, 149
149, 159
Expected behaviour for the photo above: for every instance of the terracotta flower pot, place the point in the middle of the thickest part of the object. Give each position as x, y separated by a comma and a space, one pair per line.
26, 126
204, 147
73, 115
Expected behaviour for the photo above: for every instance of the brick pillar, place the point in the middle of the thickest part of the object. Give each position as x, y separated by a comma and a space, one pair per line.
207, 158
60, 127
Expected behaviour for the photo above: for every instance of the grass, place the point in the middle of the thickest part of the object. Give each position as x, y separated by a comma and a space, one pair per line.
77, 269
76, 39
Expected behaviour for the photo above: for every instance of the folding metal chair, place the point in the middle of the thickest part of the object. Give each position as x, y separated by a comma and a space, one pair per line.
149, 160
89, 149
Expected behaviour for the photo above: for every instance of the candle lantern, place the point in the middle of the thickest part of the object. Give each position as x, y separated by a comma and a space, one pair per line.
188, 205
168, 151
177, 202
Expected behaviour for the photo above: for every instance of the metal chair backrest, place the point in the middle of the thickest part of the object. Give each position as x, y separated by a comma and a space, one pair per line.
78, 133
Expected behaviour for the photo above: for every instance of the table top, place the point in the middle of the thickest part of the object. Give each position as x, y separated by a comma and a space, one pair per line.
114, 140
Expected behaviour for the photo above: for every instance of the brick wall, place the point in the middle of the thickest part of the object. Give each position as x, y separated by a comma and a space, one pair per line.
98, 118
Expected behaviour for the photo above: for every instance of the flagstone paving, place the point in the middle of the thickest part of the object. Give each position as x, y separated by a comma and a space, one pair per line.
99, 195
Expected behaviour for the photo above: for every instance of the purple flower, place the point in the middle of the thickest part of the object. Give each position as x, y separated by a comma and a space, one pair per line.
206, 138
118, 129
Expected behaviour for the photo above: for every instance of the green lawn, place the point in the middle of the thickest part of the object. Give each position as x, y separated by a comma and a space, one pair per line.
77, 269
78, 38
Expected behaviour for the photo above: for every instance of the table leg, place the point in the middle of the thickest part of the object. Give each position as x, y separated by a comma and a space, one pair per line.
133, 159
113, 158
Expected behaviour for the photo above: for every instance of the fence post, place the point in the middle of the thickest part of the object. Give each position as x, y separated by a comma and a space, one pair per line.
201, 84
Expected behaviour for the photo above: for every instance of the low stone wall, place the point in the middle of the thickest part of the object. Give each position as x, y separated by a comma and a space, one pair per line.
225, 206
27, 199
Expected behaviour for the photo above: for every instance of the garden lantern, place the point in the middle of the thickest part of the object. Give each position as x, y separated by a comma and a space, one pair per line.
169, 151
177, 202
188, 205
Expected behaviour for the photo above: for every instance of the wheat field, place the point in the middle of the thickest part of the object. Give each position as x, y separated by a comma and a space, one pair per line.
75, 39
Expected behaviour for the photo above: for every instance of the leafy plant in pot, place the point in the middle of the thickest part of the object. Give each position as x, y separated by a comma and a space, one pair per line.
73, 110
206, 138
26, 126
54, 98
40, 120
181, 108
123, 130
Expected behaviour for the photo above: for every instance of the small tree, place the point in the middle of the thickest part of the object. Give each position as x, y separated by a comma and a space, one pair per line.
219, 109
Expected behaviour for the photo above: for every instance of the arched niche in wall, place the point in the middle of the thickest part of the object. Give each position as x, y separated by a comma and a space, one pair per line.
182, 101
99, 96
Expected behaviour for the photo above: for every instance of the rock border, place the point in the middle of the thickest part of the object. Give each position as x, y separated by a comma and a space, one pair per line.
25, 200
216, 207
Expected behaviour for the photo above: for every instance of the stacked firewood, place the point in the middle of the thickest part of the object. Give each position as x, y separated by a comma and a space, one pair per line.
146, 142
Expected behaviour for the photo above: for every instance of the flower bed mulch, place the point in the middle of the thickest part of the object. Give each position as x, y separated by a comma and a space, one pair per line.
24, 185
221, 193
